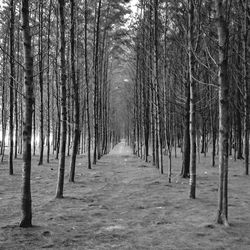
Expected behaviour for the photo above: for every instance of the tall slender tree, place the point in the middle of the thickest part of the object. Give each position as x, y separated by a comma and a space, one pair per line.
87, 81
11, 86
61, 168
96, 82
246, 9
192, 125
221, 7
26, 220
48, 82
76, 95
41, 130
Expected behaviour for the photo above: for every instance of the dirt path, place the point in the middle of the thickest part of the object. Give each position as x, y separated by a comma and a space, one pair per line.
122, 203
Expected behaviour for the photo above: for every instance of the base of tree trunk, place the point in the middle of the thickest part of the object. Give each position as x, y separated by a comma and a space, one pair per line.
221, 219
25, 223
59, 196
185, 175
192, 193
240, 157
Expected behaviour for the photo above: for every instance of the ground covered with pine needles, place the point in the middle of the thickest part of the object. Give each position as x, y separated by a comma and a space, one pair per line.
124, 203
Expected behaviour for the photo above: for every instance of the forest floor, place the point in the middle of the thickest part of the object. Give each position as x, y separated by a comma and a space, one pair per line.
124, 203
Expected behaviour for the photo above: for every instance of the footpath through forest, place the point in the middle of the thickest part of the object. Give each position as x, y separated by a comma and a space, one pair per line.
123, 203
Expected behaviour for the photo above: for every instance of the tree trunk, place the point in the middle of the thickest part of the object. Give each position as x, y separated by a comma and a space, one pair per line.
41, 136
48, 83
159, 156
61, 168
16, 95
96, 81
246, 83
87, 82
4, 101
58, 124
26, 220
238, 143
76, 97
186, 147
34, 129
192, 125
222, 30
11, 86
214, 131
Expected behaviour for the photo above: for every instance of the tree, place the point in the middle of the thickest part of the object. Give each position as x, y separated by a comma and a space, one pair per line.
192, 125
245, 46
26, 220
11, 86
96, 83
76, 97
87, 81
159, 143
223, 36
41, 136
48, 82
61, 167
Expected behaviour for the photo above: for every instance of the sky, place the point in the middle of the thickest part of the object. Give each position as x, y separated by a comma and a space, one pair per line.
133, 4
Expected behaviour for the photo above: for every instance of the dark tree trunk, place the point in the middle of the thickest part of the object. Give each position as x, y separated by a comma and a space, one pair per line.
48, 83
61, 168
26, 220
186, 147
76, 97
223, 36
246, 83
41, 136
96, 83
11, 86
87, 83
192, 100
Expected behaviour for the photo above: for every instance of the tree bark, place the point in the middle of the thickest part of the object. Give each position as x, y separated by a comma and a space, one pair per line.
26, 220
222, 30
3, 103
87, 82
76, 96
11, 87
48, 83
61, 168
192, 125
246, 84
186, 147
159, 157
96, 81
41, 136
17, 110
